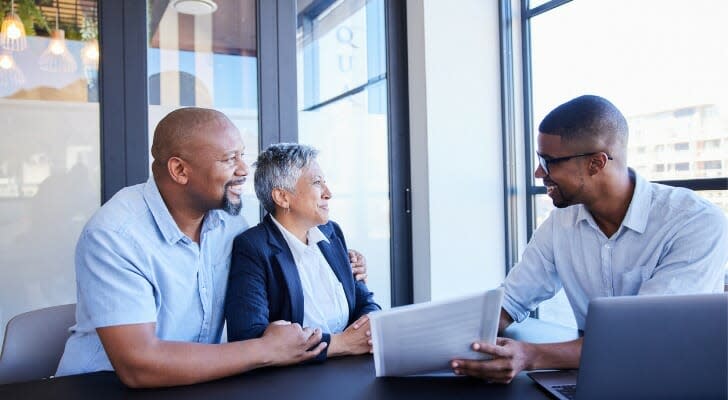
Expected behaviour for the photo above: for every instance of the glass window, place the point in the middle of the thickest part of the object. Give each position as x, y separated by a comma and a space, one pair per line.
342, 112
712, 164
682, 146
207, 60
49, 149
683, 166
668, 80
663, 65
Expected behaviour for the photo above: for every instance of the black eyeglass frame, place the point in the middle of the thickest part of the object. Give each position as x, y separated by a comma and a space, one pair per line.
544, 163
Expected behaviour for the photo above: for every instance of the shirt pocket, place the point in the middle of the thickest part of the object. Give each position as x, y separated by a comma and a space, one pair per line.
632, 280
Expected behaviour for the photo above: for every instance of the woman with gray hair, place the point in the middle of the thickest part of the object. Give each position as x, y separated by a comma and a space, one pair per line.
293, 266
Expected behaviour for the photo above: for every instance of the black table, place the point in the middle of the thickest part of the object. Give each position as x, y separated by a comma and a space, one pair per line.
342, 378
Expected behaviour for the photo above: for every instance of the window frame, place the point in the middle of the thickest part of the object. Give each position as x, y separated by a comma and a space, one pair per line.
510, 132
123, 103
527, 13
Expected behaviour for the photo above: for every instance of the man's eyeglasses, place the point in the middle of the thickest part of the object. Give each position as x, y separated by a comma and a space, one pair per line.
544, 163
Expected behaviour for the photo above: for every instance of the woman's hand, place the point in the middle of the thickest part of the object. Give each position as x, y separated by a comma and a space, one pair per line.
356, 339
358, 265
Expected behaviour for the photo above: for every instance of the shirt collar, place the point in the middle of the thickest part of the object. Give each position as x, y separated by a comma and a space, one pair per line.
167, 225
639, 207
314, 237
638, 210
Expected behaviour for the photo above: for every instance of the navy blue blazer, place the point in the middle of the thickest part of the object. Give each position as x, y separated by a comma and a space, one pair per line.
264, 285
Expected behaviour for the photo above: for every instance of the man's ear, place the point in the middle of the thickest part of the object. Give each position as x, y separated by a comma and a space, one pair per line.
281, 198
597, 162
177, 169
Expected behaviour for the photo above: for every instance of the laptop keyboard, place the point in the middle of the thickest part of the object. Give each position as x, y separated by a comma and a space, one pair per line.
568, 391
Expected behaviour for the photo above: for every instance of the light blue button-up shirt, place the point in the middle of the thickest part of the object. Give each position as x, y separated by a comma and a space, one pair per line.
134, 265
671, 241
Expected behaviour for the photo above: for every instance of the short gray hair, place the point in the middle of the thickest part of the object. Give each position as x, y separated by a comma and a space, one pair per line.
279, 167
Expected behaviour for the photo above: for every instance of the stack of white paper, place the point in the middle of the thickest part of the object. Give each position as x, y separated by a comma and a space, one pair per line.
424, 338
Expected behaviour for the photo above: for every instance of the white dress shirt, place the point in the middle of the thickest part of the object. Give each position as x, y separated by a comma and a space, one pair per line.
324, 300
671, 241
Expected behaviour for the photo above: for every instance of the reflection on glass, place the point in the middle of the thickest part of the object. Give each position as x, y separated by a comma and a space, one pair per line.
206, 60
12, 33
339, 49
535, 3
49, 158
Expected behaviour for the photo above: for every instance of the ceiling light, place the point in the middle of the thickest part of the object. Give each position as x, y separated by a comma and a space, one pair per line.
56, 57
194, 7
12, 33
11, 77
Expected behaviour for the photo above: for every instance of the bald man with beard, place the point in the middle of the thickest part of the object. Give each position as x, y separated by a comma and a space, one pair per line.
152, 267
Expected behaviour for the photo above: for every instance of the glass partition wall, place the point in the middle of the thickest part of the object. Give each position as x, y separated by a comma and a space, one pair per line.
205, 55
342, 111
62, 152
49, 147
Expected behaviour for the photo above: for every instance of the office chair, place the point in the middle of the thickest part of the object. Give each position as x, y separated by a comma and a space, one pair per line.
34, 343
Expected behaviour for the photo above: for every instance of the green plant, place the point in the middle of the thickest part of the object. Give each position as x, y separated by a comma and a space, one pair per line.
89, 29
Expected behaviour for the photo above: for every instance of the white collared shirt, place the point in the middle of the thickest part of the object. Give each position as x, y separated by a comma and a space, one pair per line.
670, 242
324, 300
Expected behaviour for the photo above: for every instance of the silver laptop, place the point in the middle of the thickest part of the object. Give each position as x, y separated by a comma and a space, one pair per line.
649, 347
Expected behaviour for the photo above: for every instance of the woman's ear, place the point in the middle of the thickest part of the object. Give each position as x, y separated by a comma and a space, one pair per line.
177, 169
281, 198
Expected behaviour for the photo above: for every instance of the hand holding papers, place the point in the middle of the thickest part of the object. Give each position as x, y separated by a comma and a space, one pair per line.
423, 338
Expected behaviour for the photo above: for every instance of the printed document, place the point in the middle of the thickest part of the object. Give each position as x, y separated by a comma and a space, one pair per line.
423, 338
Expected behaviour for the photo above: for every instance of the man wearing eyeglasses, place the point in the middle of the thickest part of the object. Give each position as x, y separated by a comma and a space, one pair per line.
613, 233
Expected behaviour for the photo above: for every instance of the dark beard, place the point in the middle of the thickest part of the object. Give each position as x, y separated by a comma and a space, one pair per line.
230, 207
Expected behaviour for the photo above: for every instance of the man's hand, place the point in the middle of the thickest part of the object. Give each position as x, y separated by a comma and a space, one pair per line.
509, 358
358, 265
288, 343
356, 339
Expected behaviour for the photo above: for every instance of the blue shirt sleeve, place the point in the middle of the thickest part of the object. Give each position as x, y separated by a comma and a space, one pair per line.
534, 279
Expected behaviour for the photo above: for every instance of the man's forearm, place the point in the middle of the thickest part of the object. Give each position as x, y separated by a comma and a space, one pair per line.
166, 363
565, 355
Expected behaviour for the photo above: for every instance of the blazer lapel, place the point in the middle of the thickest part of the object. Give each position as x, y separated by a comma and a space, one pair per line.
339, 262
283, 256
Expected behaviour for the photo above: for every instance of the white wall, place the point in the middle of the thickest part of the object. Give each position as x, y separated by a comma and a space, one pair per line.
456, 149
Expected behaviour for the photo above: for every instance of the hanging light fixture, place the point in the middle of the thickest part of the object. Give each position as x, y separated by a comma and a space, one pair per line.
194, 7
56, 57
12, 33
90, 54
89, 34
11, 77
